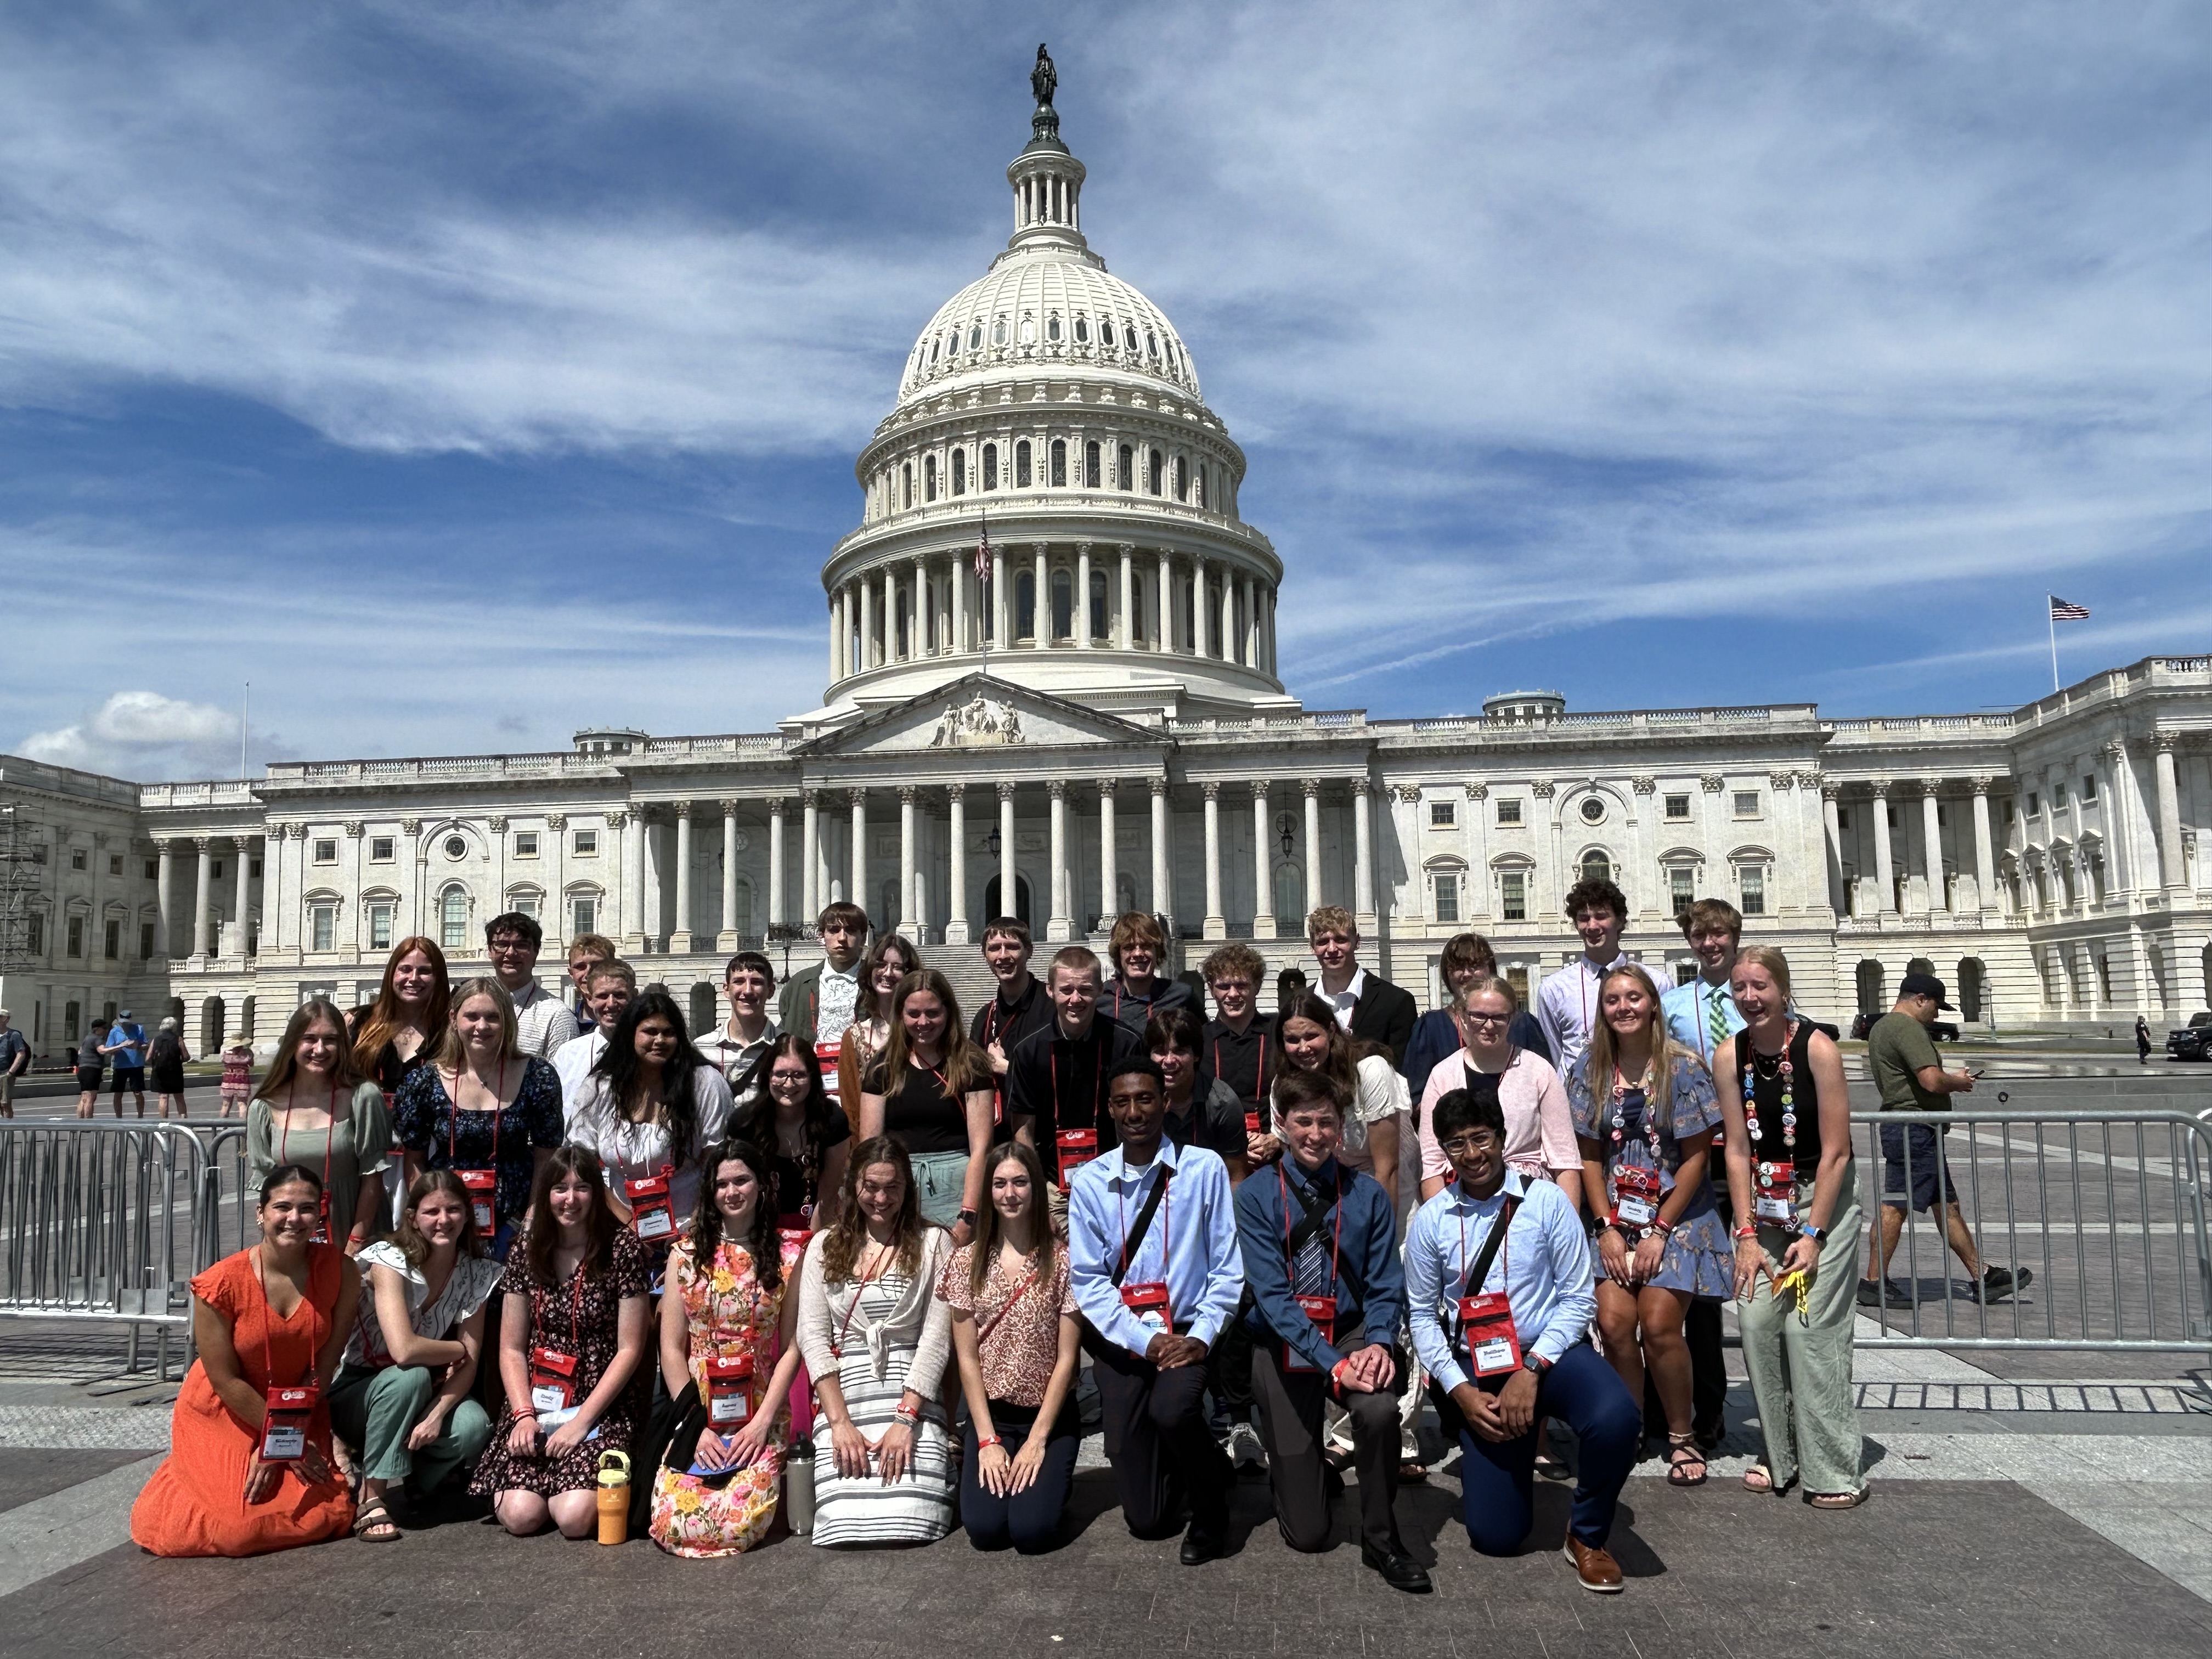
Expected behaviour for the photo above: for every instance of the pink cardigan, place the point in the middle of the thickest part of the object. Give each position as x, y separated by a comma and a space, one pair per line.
1539, 1128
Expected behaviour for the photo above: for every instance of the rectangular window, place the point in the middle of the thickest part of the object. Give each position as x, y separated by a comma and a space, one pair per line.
2034, 804
583, 915
1513, 896
76, 936
586, 844
525, 844
1843, 817
1682, 887
326, 852
1751, 885
253, 869
153, 869
1518, 979
1678, 806
145, 941
2089, 791
1447, 895
524, 904
115, 859
1747, 803
76, 858
72, 1021
322, 926
1509, 812
1442, 814
379, 925
1090, 466
112, 940
382, 849
2058, 797
38, 939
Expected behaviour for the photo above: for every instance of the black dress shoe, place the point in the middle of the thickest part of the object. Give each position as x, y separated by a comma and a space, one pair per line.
1201, 1547
1400, 1572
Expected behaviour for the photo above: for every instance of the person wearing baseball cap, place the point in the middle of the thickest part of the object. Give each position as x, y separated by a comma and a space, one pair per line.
1909, 1077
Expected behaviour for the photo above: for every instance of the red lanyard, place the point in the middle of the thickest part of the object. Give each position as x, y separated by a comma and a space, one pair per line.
1336, 1242
1167, 1216
1258, 1074
268, 1318
1504, 1249
576, 1306
453, 1115
1097, 1088
284, 1136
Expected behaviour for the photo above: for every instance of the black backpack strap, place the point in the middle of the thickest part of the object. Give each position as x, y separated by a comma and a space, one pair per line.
1135, 1241
1479, 1274
1316, 1213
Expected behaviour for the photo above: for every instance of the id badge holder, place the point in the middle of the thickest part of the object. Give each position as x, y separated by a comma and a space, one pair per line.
1493, 1346
552, 1385
1252, 1130
653, 1212
729, 1393
826, 1056
286, 1412
323, 1221
1149, 1302
1322, 1309
1634, 1196
481, 1185
1072, 1148
796, 1230
1774, 1193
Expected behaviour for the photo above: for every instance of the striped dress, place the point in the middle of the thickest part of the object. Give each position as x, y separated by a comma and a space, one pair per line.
897, 1337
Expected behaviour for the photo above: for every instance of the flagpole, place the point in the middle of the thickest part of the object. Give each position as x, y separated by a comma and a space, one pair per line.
983, 586
2050, 612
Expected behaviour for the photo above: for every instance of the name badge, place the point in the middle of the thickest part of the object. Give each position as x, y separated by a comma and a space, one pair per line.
1493, 1346
552, 1385
1149, 1302
286, 1414
729, 1391
1322, 1309
1073, 1147
825, 1057
652, 1212
1252, 1123
1634, 1196
481, 1185
1774, 1192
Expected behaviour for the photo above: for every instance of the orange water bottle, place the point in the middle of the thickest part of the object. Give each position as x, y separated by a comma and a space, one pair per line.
614, 1498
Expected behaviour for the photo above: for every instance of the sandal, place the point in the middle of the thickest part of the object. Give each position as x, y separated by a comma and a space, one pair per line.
1411, 1473
1758, 1478
1682, 1454
373, 1523
1839, 1500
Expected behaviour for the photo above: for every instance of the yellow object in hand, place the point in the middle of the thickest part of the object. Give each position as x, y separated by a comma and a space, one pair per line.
1799, 1283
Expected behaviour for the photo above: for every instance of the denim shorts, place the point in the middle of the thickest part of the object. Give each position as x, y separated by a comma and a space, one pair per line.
1931, 1173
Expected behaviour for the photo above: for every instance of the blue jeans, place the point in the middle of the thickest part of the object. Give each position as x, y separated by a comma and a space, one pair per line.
1497, 1480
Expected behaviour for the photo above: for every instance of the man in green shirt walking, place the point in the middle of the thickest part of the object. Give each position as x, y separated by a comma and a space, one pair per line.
1909, 1075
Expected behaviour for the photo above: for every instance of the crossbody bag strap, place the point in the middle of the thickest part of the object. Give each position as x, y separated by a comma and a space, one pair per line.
1135, 1241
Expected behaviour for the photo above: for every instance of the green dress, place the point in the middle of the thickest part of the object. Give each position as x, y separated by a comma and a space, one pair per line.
356, 1147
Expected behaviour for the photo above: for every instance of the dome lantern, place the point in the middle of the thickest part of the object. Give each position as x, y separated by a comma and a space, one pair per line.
1047, 180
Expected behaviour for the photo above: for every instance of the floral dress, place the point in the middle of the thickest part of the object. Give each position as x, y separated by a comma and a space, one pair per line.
583, 1313
423, 1120
1698, 1260
726, 1314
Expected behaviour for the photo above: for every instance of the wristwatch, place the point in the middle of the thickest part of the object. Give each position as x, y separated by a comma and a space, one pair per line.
1537, 1363
1808, 1231
967, 1216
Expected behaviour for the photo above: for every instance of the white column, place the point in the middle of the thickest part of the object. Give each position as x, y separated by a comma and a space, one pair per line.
203, 899
909, 921
917, 627
1215, 925
164, 897
1363, 860
1229, 651
630, 878
1083, 596
775, 876
1251, 622
1931, 837
680, 935
1009, 886
1164, 634
1163, 877
1001, 607
955, 892
1263, 897
1125, 634
1198, 618
1110, 872
867, 585
1832, 837
1985, 865
1059, 925
857, 892
837, 636
726, 938
2173, 873
961, 576
810, 856
1314, 900
1041, 612
1884, 869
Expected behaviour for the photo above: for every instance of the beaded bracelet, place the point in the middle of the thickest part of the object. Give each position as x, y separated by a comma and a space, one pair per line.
988, 1441
903, 1415
1664, 1229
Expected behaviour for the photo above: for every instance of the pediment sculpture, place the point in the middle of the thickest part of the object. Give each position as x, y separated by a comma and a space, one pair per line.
981, 724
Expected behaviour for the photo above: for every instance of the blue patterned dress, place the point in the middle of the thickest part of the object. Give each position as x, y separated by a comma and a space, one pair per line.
1699, 1260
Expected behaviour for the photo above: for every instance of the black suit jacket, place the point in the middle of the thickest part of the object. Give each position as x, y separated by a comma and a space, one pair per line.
1384, 1014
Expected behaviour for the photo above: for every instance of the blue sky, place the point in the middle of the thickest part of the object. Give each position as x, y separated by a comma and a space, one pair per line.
466, 374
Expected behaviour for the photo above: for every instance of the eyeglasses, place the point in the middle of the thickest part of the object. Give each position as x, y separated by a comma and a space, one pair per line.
1479, 1141
1473, 1019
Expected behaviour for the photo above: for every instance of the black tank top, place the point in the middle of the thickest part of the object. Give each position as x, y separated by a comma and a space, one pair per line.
1761, 1079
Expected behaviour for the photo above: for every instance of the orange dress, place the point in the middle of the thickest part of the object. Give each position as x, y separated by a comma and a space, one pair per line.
195, 1505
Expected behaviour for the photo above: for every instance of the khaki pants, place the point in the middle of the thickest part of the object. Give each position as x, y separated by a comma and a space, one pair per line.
1801, 1372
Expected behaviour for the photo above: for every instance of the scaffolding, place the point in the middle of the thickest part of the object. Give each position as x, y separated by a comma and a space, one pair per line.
20, 845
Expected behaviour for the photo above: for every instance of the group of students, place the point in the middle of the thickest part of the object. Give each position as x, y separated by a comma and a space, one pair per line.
844, 1261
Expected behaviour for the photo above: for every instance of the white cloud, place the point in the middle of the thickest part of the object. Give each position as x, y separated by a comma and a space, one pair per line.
133, 731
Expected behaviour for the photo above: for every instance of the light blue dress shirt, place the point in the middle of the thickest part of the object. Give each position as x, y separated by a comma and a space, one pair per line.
1543, 1268
1689, 1015
1191, 1245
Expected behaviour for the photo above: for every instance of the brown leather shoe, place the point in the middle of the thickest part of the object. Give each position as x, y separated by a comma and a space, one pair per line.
1597, 1570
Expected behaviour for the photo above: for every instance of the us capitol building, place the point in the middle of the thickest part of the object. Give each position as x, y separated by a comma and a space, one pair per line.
1101, 728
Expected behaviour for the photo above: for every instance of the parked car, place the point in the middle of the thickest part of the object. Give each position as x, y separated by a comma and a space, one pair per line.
2193, 1041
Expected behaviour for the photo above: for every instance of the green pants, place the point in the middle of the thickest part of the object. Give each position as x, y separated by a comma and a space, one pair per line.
1800, 1371
376, 1410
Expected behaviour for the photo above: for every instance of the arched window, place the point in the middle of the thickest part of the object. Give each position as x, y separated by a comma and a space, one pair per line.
1201, 482
1022, 465
453, 918
1171, 358
906, 484
990, 466
929, 478
974, 336
1129, 335
1052, 328
1597, 866
1082, 331
1152, 471
1025, 606
1029, 331
1151, 345
960, 472
1063, 606
1098, 605
899, 630
1125, 469
1182, 479
1059, 463
1090, 466
934, 346
999, 332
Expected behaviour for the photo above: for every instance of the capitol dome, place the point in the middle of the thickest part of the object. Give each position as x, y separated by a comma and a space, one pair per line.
1051, 404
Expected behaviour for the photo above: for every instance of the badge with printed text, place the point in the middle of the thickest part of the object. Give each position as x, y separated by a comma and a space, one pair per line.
1774, 1192
729, 1392
652, 1212
1635, 1194
481, 1185
1072, 1148
1149, 1302
1322, 1309
1493, 1345
552, 1385
286, 1414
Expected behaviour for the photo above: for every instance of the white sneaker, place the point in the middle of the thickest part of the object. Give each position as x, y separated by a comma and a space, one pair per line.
1244, 1446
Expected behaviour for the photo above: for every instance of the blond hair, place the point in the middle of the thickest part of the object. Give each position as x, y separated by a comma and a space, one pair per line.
452, 1051
1330, 918
1601, 1059
1766, 956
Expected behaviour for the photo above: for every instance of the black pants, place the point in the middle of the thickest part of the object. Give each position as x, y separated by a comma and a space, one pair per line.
1028, 1521
1289, 1411
1228, 1371
1156, 1440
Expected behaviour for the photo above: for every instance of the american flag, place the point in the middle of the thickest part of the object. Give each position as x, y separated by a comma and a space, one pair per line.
984, 556
2067, 611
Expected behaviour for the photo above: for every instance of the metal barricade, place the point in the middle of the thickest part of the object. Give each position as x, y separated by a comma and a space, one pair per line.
2106, 1209
226, 1199
97, 1222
